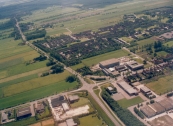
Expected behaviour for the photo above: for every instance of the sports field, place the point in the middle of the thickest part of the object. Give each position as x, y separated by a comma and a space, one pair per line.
162, 85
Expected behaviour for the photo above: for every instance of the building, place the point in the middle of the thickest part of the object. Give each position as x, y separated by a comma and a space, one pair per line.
4, 117
157, 108
40, 107
145, 90
127, 88
110, 72
73, 98
166, 104
65, 106
109, 63
120, 68
23, 112
58, 101
148, 112
133, 65
70, 122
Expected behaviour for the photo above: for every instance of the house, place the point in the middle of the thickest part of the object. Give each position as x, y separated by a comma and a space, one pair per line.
73, 98
70, 122
23, 112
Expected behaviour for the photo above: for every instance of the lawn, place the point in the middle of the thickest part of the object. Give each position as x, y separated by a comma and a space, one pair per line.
146, 41
127, 39
82, 101
91, 120
36, 93
162, 53
124, 103
162, 85
34, 83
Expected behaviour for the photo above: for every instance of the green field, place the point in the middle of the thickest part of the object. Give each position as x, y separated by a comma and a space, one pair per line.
146, 41
34, 83
162, 85
37, 93
91, 120
96, 59
162, 53
82, 101
170, 44
125, 103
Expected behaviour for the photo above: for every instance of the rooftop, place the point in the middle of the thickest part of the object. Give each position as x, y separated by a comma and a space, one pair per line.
157, 107
134, 64
148, 111
145, 89
73, 97
110, 61
23, 111
110, 88
65, 106
166, 103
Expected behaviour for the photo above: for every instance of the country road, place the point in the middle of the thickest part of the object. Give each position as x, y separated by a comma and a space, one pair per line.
85, 85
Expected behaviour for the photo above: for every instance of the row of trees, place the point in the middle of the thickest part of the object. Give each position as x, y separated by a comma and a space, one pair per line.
36, 34
125, 115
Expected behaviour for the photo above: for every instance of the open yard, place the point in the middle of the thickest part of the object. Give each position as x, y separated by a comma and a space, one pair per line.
125, 103
91, 120
162, 85
82, 101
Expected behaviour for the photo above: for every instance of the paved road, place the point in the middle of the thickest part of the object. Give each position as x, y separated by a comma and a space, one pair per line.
85, 86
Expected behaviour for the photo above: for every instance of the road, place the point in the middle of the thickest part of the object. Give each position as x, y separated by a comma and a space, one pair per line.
85, 86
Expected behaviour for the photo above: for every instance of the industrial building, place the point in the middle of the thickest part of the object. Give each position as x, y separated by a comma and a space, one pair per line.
111, 72
167, 104
58, 101
148, 112
65, 106
145, 90
126, 87
73, 98
70, 122
23, 112
133, 65
109, 63
120, 68
157, 108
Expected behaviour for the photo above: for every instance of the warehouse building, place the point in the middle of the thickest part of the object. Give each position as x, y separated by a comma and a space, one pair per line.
157, 108
166, 104
145, 90
148, 112
133, 65
109, 63
110, 72
23, 113
127, 88
73, 98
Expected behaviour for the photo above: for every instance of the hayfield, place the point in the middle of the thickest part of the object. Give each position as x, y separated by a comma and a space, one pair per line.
34, 83
162, 85
37, 93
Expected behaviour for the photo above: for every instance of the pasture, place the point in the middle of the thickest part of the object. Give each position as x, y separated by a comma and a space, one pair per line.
170, 44
162, 85
34, 83
125, 103
37, 93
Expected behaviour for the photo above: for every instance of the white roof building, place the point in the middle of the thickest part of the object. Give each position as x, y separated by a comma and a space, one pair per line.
65, 106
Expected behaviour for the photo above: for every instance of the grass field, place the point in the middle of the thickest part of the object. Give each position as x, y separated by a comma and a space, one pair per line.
91, 120
146, 41
82, 101
34, 83
162, 85
170, 44
162, 53
36, 93
124, 103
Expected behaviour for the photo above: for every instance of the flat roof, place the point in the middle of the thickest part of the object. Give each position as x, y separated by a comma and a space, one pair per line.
73, 97
127, 87
145, 89
110, 88
148, 111
134, 64
157, 107
166, 103
23, 111
108, 62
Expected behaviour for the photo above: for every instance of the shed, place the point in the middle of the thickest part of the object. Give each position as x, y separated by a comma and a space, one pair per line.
70, 122
73, 98
65, 106
4, 117
23, 112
